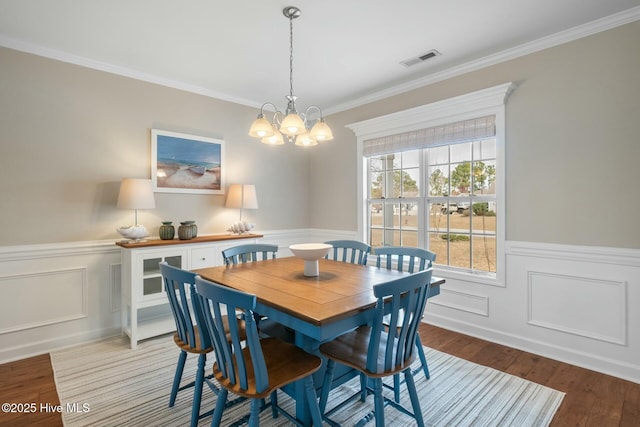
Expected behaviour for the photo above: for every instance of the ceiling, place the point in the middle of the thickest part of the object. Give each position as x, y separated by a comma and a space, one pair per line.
345, 52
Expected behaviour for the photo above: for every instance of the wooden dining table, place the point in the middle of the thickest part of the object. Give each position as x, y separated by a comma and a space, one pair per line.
315, 309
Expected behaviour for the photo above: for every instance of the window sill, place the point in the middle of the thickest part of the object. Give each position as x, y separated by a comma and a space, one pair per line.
477, 278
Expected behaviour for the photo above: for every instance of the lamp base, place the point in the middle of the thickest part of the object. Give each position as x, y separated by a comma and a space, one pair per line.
241, 227
134, 233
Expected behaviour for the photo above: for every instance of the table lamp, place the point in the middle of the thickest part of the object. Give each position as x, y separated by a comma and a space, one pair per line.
241, 196
135, 194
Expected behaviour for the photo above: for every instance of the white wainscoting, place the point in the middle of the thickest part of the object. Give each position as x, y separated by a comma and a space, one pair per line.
31, 296
577, 304
57, 295
608, 322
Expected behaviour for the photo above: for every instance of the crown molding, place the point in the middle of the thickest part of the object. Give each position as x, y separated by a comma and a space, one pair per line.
562, 37
82, 61
593, 27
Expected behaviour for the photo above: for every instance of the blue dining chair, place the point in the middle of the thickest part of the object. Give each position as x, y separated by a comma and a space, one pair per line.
257, 368
351, 251
179, 286
411, 260
377, 351
248, 253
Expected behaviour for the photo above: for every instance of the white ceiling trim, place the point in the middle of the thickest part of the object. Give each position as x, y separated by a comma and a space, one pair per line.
575, 33
82, 61
572, 34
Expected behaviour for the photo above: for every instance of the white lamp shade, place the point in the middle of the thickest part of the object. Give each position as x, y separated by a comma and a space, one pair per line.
305, 140
261, 128
292, 125
136, 194
275, 139
321, 131
242, 196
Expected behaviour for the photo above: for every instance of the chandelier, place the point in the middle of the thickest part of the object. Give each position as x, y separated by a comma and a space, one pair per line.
291, 125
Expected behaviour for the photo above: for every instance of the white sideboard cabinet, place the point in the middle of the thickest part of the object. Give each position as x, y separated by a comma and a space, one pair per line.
145, 307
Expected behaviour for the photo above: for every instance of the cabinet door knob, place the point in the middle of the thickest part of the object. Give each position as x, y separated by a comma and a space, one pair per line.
203, 258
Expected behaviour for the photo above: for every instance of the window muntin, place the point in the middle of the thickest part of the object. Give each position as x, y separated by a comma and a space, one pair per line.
458, 194
394, 195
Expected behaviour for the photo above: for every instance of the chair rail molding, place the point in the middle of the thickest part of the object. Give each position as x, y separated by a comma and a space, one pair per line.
599, 332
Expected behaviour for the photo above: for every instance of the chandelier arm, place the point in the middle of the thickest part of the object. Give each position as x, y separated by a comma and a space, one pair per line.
278, 116
305, 115
310, 107
275, 107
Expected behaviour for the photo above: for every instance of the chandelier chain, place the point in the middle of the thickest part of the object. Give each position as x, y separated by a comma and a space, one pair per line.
291, 55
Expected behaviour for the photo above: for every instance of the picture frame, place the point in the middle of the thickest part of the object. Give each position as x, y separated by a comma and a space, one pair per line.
182, 163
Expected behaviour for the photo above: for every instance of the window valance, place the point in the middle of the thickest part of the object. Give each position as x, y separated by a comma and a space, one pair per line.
446, 134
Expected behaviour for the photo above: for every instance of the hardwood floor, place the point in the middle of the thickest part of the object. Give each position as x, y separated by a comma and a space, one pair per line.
592, 399
29, 384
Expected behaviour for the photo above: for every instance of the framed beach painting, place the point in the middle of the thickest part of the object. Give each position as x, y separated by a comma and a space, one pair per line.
182, 163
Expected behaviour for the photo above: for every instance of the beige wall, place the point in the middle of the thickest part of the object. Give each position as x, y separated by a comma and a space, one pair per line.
573, 149
68, 134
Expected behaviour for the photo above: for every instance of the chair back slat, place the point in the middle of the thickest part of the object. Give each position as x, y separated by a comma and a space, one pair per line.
351, 251
214, 301
417, 259
404, 299
249, 253
179, 286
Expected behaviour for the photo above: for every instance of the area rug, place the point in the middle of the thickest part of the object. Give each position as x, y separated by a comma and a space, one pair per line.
107, 384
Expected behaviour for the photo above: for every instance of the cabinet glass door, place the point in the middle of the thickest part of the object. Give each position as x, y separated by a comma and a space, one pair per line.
151, 277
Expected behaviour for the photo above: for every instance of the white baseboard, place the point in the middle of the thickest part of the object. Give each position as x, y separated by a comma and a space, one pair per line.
43, 346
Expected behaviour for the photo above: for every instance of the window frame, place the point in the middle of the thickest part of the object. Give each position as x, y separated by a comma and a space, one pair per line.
490, 101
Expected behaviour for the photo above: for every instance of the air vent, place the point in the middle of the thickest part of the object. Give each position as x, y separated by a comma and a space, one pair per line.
421, 58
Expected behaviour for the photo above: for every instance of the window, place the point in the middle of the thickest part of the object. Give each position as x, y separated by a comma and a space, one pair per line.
394, 195
433, 177
458, 196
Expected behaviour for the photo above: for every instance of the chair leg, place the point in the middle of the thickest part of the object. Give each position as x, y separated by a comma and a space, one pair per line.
197, 391
363, 388
326, 387
413, 394
423, 359
312, 401
254, 417
177, 377
220, 404
396, 388
378, 402
274, 404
